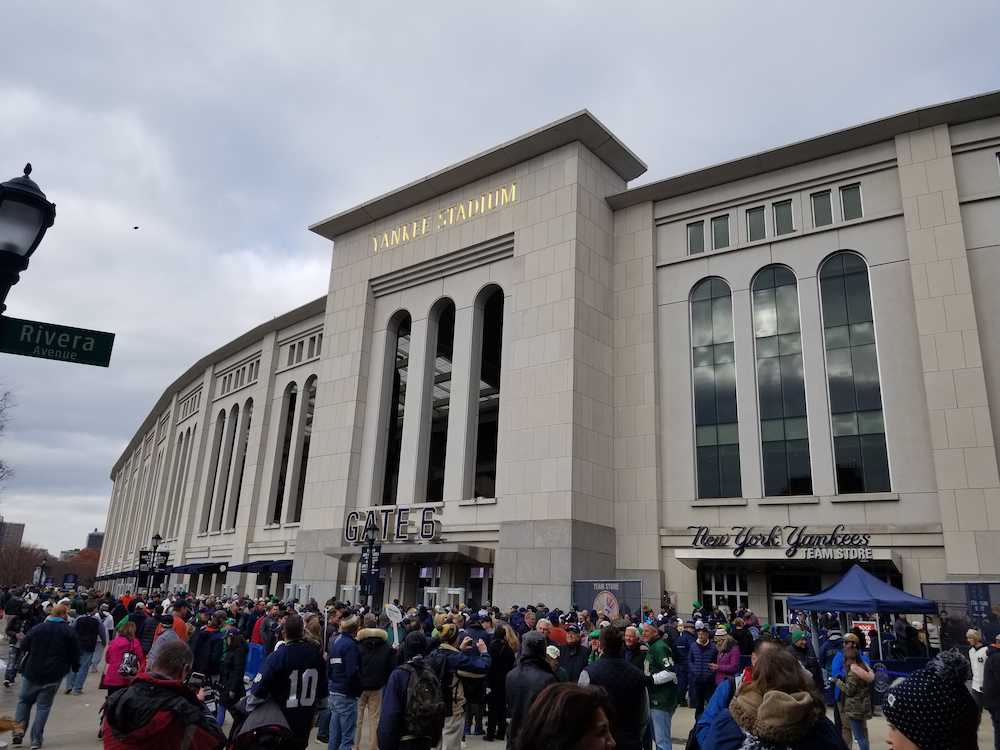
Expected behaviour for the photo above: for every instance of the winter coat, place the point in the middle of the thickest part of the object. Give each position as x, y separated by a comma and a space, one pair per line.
392, 716
744, 639
682, 650
234, 659
524, 682
728, 663
89, 630
660, 658
207, 645
698, 660
50, 650
144, 631
502, 660
155, 713
626, 688
457, 664
775, 721
574, 660
344, 669
377, 658
857, 697
837, 670
162, 640
113, 656
809, 662
991, 680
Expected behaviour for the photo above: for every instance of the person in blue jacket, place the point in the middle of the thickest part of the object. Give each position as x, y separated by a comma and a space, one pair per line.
682, 650
702, 662
725, 691
392, 720
345, 684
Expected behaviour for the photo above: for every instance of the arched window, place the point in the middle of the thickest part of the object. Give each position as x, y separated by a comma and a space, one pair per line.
226, 467
443, 320
182, 476
714, 369
213, 472
852, 373
399, 343
307, 425
239, 462
781, 388
487, 428
285, 443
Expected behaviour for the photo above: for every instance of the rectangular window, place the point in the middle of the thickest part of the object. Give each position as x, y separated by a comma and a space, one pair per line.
755, 224
720, 232
319, 344
783, 218
696, 237
298, 352
291, 355
822, 210
850, 201
312, 346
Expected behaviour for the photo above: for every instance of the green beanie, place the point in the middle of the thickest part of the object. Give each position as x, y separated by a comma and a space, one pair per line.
797, 635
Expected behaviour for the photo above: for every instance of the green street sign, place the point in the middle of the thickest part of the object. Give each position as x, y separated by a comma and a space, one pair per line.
31, 338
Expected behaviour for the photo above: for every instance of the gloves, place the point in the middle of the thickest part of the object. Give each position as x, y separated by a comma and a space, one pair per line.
661, 678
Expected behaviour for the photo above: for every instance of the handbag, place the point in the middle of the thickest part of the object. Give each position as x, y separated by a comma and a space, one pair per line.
130, 663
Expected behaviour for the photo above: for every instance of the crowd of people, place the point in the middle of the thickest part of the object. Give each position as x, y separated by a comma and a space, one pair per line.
174, 667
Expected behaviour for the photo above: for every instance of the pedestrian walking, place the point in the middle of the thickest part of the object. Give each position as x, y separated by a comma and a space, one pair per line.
413, 708
526, 680
49, 651
344, 684
17, 627
124, 658
452, 663
626, 687
377, 662
701, 675
663, 697
979, 652
503, 650
89, 632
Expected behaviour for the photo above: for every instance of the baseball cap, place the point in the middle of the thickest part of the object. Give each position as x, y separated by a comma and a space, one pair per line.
572, 628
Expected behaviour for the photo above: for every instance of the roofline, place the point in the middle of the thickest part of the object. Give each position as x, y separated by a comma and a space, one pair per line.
308, 310
580, 126
876, 131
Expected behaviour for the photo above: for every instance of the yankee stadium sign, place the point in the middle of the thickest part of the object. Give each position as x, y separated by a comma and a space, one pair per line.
834, 545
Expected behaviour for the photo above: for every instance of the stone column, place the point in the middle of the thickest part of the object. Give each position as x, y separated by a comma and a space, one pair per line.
462, 407
964, 459
412, 487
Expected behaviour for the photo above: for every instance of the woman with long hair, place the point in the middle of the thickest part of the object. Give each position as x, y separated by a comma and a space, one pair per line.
857, 688
565, 716
503, 655
124, 658
778, 707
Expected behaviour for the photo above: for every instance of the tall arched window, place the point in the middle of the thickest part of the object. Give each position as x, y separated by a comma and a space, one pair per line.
852, 372
239, 463
307, 425
714, 369
226, 467
182, 477
399, 341
781, 387
213, 472
487, 430
443, 318
285, 443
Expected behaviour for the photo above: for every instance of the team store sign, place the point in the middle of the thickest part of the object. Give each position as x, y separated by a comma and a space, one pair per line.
835, 545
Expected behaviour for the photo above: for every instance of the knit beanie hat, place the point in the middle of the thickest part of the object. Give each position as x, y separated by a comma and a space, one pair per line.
932, 707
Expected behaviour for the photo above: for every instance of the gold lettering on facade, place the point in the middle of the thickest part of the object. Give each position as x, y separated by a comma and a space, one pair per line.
453, 215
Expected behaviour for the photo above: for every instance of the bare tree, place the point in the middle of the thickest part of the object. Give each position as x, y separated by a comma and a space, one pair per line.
6, 402
18, 563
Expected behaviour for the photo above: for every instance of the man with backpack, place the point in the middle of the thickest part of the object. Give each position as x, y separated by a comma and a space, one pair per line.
452, 664
413, 708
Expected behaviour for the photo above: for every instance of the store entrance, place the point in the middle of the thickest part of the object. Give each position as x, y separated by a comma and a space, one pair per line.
779, 609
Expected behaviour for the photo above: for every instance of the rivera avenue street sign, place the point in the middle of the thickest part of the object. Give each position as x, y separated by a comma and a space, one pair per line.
31, 338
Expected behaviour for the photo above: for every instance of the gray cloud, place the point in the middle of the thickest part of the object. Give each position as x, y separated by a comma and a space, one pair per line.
224, 129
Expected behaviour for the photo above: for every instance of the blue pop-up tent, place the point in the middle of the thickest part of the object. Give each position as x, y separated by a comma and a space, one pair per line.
860, 591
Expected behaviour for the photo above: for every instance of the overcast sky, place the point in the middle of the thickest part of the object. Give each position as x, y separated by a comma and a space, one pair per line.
223, 129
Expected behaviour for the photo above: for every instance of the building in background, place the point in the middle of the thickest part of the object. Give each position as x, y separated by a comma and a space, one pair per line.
11, 534
730, 385
95, 539
69, 554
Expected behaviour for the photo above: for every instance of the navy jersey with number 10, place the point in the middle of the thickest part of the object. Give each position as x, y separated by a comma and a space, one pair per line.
294, 677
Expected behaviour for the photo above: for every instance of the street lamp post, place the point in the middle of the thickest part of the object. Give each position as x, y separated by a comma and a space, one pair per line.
156, 541
25, 215
370, 550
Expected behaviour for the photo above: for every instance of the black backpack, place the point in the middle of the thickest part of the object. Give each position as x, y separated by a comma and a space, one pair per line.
425, 703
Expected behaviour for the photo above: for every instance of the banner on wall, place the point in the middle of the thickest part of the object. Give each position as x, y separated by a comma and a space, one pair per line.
614, 597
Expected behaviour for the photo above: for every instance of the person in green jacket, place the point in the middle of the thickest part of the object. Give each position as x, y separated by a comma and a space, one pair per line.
595, 646
662, 698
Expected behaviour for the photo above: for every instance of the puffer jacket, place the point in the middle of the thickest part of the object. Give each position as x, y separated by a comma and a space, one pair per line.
773, 721
698, 660
155, 713
377, 658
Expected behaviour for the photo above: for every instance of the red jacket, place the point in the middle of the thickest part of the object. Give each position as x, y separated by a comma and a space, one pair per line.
155, 713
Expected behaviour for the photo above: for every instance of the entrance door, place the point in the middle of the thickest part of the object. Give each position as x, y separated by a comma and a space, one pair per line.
431, 594
780, 614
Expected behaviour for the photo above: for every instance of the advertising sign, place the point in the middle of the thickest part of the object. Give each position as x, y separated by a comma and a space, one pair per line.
613, 597
69, 581
869, 628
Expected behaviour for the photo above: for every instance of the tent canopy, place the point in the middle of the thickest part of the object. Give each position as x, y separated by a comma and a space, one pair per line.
860, 591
